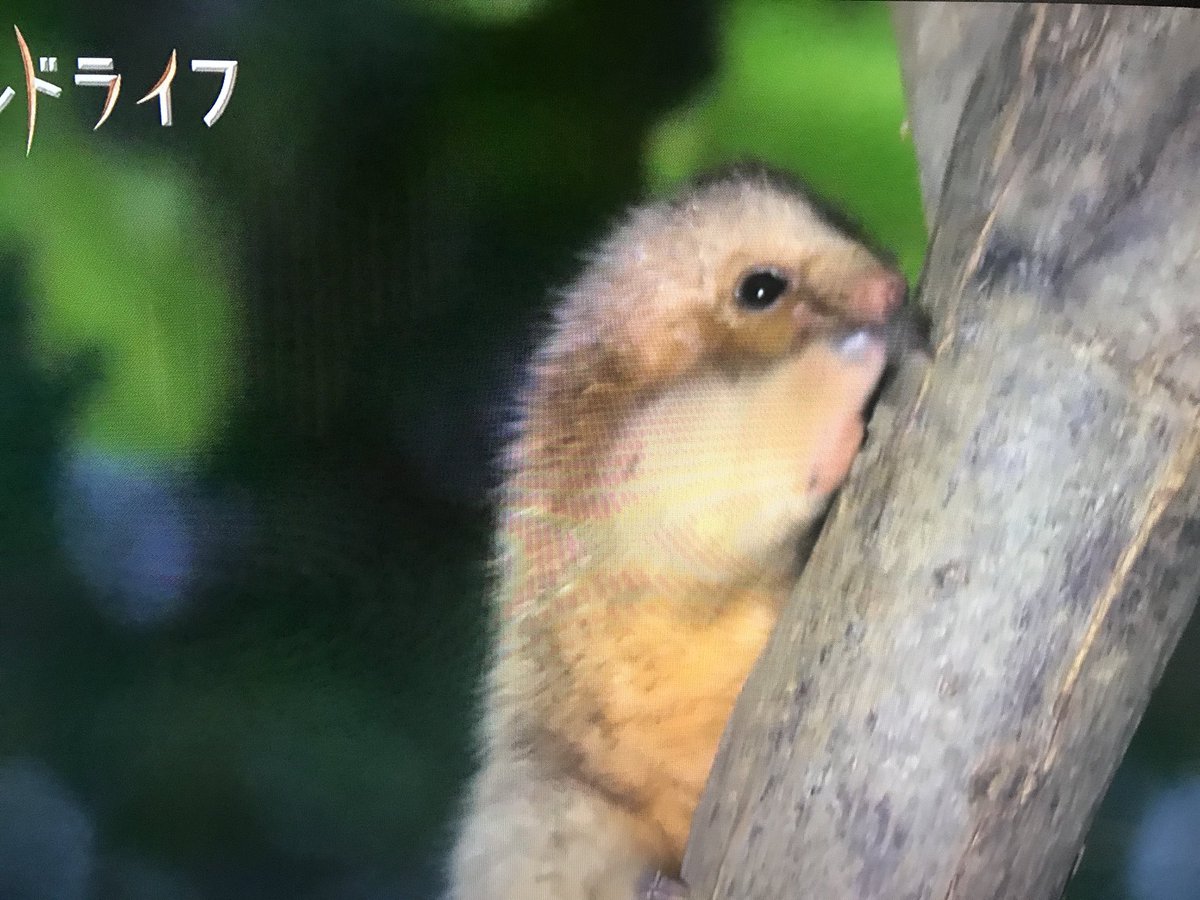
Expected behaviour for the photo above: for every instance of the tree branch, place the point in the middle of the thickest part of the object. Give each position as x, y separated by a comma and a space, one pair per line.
942, 45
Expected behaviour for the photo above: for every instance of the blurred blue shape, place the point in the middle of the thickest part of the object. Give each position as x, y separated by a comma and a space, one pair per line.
47, 841
126, 528
1165, 855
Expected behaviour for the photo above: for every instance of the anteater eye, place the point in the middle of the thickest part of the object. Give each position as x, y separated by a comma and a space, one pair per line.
760, 289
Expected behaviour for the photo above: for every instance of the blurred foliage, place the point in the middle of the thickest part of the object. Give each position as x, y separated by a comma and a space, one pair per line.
485, 11
132, 271
284, 347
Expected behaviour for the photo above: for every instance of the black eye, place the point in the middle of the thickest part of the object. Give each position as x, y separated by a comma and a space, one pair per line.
760, 289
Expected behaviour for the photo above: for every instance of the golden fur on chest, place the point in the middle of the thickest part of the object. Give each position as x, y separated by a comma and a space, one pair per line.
655, 666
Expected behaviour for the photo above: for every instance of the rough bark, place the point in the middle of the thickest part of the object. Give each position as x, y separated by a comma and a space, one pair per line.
998, 588
942, 45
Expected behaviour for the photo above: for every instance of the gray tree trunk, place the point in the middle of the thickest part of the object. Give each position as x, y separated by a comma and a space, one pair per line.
997, 590
942, 45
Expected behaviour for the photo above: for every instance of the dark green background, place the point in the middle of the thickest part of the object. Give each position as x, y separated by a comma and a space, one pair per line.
252, 379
